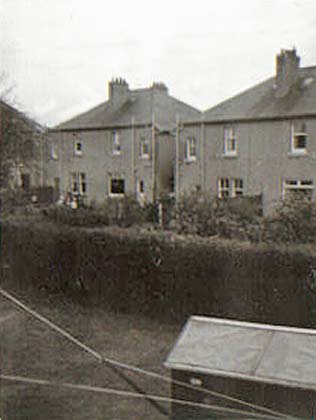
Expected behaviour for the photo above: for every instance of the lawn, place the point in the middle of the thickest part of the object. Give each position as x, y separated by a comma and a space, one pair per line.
29, 348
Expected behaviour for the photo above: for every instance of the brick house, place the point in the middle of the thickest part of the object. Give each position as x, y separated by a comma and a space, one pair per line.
264, 365
260, 142
123, 146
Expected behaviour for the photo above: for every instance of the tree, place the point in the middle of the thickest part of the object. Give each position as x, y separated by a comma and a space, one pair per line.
20, 143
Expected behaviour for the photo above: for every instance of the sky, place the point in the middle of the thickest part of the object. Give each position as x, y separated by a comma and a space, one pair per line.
59, 55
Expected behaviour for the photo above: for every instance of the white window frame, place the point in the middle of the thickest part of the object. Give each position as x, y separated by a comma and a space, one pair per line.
80, 179
54, 151
111, 194
229, 137
221, 188
237, 187
297, 185
191, 149
116, 145
77, 141
144, 154
294, 134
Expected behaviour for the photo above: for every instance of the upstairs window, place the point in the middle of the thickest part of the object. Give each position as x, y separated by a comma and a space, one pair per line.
298, 138
78, 146
223, 187
144, 148
230, 141
78, 183
54, 151
117, 187
116, 146
190, 151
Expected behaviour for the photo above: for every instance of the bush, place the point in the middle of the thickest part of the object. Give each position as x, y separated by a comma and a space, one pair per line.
294, 221
197, 213
121, 212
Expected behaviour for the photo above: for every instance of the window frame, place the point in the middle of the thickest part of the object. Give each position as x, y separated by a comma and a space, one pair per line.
297, 185
237, 190
294, 150
115, 142
113, 194
141, 187
144, 142
230, 135
79, 179
191, 145
77, 141
221, 189
54, 151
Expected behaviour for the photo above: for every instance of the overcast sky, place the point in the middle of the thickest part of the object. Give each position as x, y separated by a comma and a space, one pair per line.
60, 54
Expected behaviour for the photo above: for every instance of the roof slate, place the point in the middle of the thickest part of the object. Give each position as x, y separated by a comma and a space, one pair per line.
260, 101
140, 106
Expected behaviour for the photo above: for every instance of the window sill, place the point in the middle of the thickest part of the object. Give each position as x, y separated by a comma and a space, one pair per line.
295, 154
111, 195
230, 155
190, 160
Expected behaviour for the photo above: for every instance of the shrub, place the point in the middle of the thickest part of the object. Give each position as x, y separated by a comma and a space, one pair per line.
200, 214
124, 212
294, 221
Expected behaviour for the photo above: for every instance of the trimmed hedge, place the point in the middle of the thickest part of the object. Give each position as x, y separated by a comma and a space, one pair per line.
163, 273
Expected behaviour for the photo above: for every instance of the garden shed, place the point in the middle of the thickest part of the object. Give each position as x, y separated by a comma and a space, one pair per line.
264, 365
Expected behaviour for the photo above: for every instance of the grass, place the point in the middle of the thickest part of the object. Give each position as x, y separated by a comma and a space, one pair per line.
29, 348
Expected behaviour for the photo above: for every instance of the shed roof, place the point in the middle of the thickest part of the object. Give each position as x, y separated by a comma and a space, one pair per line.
140, 105
261, 102
258, 352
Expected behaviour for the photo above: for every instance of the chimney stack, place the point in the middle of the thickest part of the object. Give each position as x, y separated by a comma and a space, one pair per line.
118, 91
287, 65
159, 87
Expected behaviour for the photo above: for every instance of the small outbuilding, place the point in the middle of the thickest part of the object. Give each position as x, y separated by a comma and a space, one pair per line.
263, 365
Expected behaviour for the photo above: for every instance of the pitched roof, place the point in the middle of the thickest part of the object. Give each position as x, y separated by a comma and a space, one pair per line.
258, 352
140, 105
28, 123
260, 101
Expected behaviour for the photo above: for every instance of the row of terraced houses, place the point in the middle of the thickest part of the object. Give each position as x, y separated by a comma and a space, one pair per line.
145, 142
